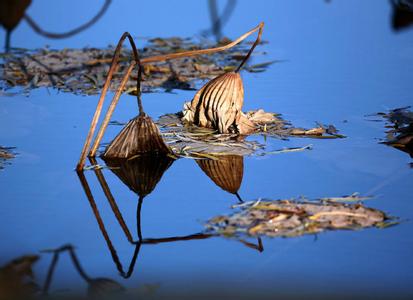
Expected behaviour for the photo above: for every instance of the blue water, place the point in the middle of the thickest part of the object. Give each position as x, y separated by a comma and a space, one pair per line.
342, 62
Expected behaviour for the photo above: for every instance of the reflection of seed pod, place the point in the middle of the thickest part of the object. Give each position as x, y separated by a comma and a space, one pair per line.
139, 136
142, 173
226, 172
218, 103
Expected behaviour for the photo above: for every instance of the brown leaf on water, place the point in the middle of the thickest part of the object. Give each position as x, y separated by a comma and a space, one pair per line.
290, 218
83, 71
6, 153
17, 279
261, 117
313, 131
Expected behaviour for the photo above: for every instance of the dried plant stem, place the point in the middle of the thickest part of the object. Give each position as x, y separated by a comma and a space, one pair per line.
109, 113
138, 62
165, 57
96, 116
335, 213
257, 41
203, 51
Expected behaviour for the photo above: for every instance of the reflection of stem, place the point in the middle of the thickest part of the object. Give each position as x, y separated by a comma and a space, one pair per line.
239, 198
7, 44
258, 247
216, 21
67, 34
139, 243
219, 21
138, 218
196, 236
53, 264
112, 201
133, 261
102, 228
77, 264
49, 277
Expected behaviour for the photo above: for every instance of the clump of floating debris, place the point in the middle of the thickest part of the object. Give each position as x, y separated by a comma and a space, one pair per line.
83, 71
193, 141
6, 153
291, 218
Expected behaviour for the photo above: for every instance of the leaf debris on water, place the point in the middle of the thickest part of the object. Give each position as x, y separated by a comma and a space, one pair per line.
83, 71
6, 153
192, 141
291, 218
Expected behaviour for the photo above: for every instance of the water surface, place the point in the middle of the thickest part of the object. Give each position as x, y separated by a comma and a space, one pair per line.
343, 61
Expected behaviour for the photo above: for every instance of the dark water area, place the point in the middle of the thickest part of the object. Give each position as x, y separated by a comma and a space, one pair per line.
341, 61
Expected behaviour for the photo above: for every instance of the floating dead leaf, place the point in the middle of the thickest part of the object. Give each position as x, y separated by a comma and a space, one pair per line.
83, 71
261, 117
290, 218
6, 153
313, 131
17, 279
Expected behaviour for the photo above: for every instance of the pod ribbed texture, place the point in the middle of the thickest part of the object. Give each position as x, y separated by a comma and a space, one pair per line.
226, 172
140, 174
140, 135
218, 103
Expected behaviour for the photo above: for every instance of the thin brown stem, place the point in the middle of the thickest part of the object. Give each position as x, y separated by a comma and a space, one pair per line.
158, 58
257, 41
109, 113
98, 110
165, 57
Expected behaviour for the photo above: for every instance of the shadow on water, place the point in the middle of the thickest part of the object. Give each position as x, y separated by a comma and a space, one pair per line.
226, 172
12, 12
402, 16
141, 175
399, 129
218, 20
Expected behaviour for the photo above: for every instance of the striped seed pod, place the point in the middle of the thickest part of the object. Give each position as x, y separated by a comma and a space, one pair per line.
218, 103
139, 136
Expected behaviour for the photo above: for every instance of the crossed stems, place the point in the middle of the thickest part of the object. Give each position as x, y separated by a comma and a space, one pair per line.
140, 241
139, 62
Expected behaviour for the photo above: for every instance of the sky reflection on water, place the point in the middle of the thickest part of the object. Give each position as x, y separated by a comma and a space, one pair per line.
343, 61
